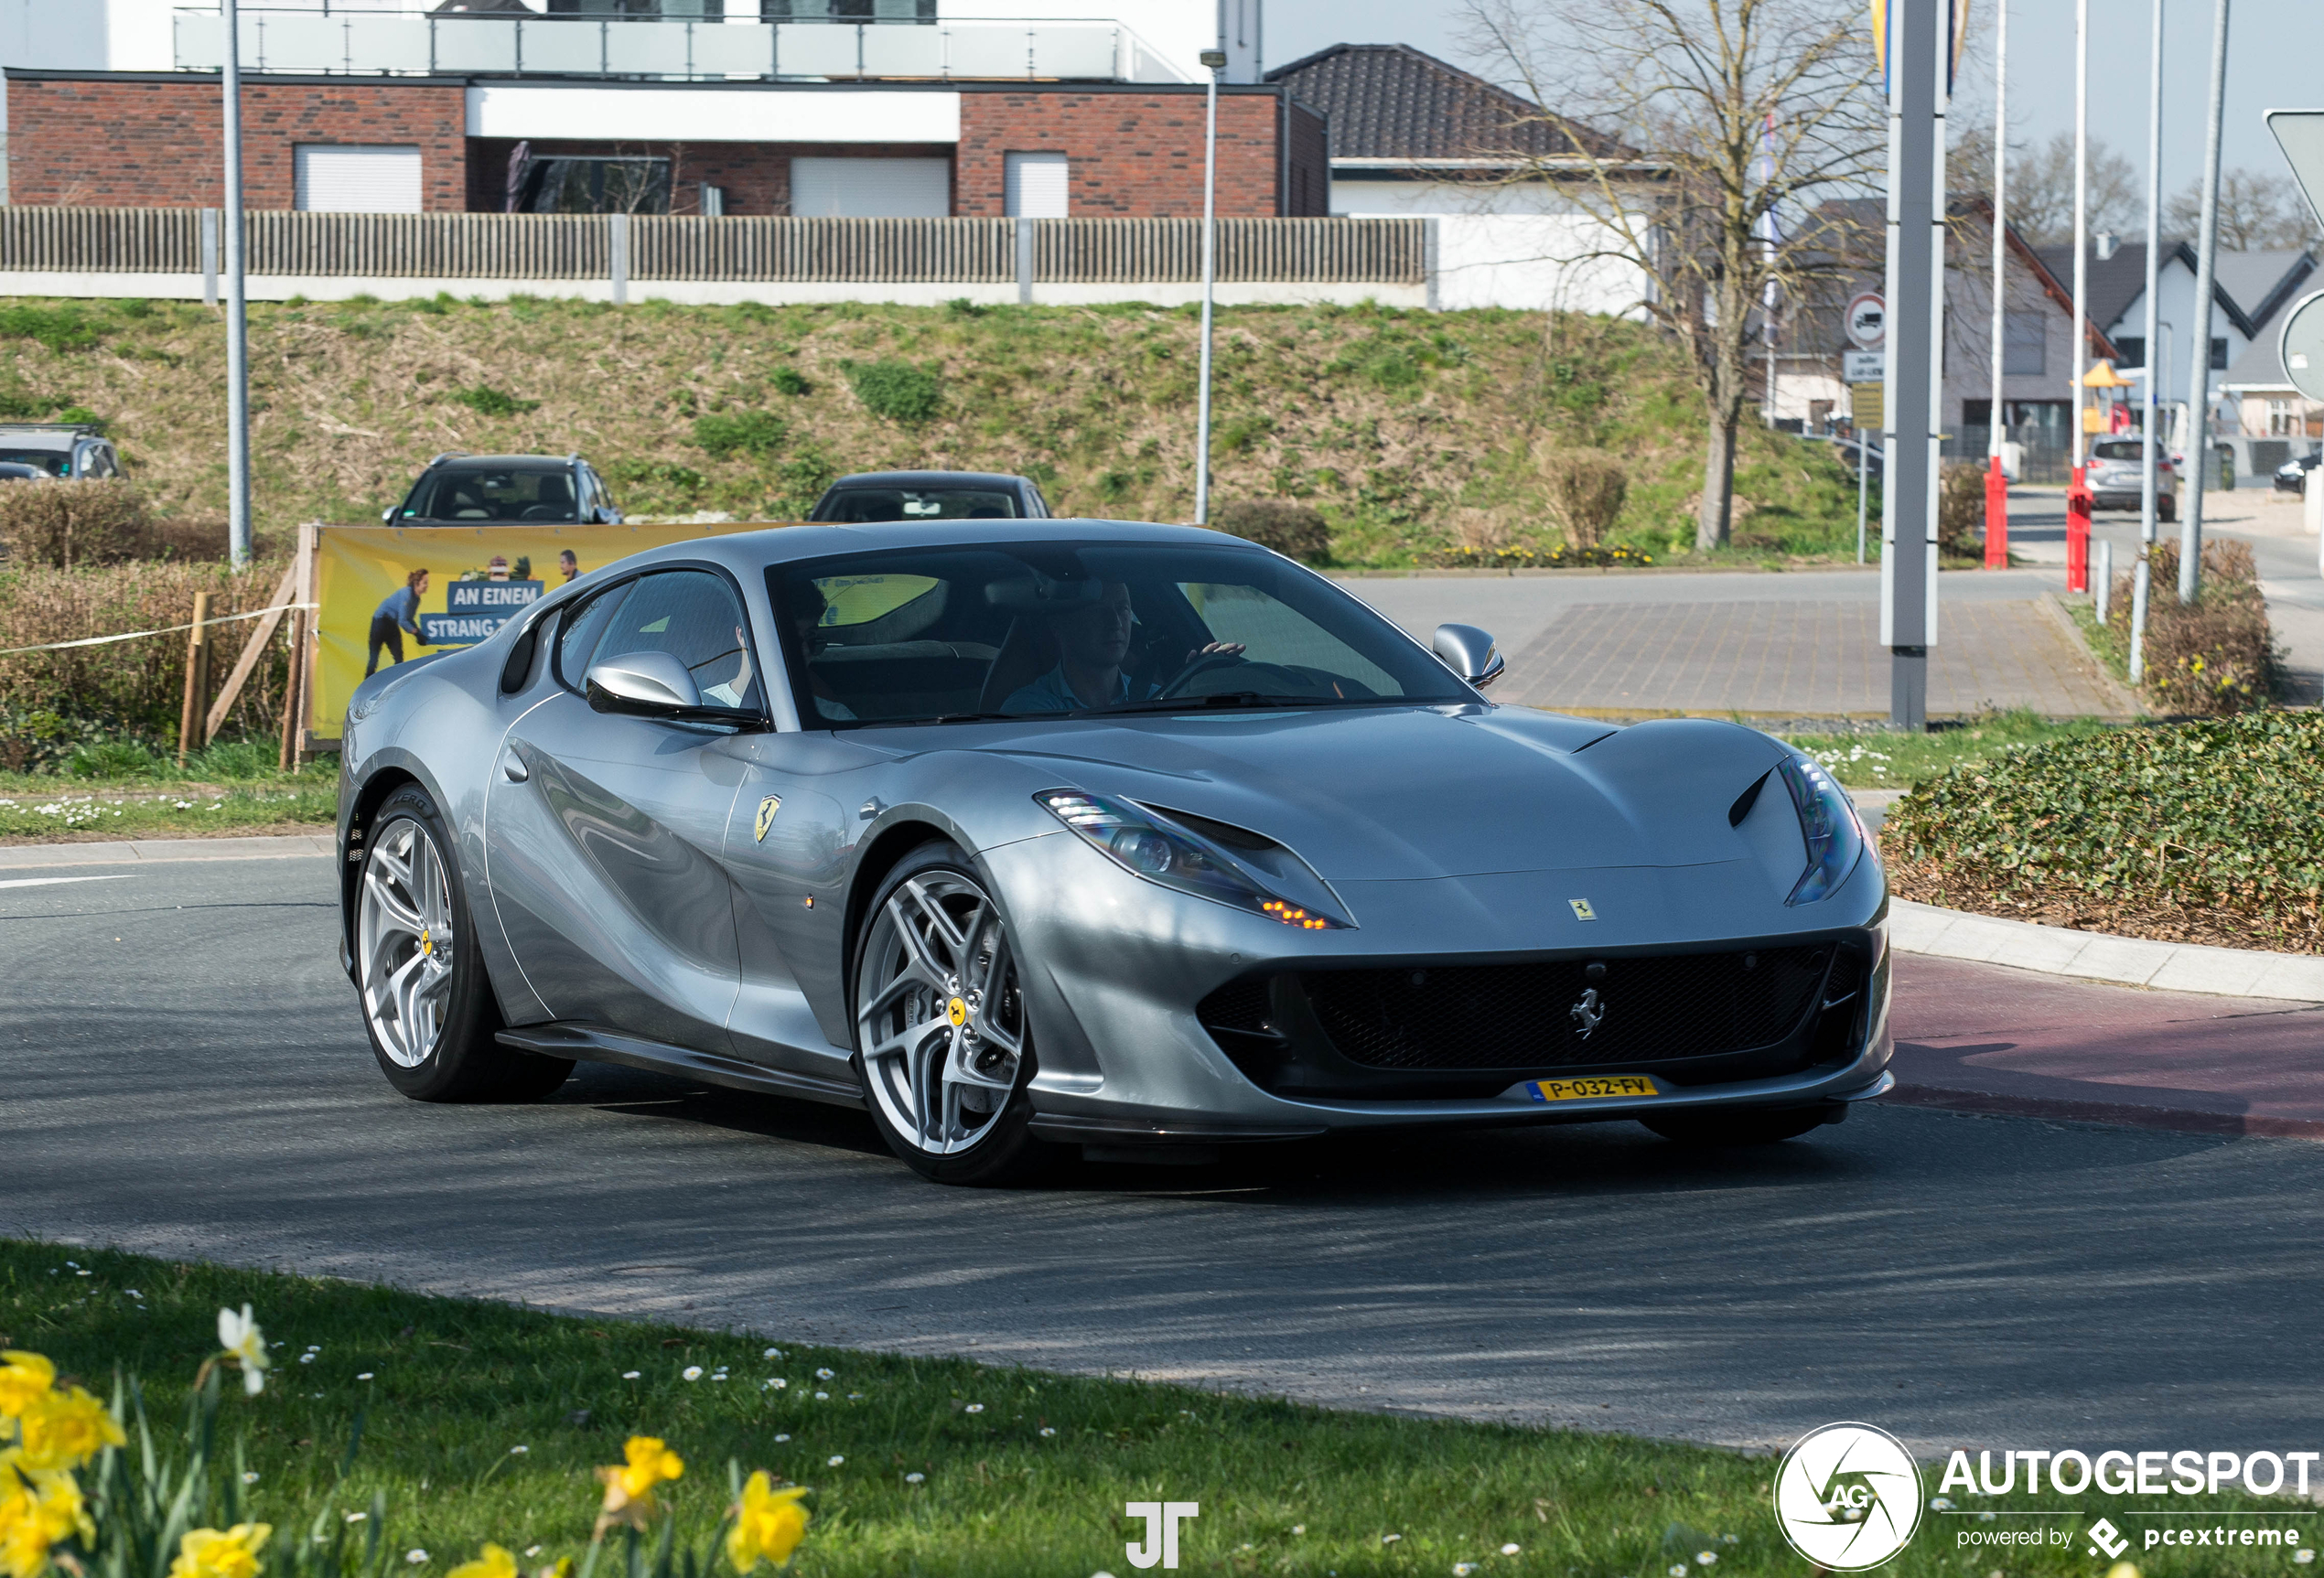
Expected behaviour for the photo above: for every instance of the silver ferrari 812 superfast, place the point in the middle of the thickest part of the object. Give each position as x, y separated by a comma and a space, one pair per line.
1138, 838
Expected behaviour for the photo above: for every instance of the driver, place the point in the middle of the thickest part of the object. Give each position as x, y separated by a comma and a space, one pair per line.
1092, 640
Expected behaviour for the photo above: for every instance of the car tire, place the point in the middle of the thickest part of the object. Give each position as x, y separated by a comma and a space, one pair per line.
1742, 1125
944, 1045
428, 1004
2166, 508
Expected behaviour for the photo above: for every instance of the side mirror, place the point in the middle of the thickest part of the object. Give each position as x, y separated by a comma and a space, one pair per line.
656, 685
388, 515
653, 685
1468, 652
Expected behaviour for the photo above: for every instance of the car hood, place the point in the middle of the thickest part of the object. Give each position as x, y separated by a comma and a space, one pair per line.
1425, 792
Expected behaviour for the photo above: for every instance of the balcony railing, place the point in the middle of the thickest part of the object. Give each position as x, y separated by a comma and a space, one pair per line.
370, 43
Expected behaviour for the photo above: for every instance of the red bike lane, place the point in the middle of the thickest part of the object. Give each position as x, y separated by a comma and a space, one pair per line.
1987, 1039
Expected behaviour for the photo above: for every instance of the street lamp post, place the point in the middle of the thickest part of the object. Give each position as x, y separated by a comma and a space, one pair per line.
236, 307
2150, 440
1213, 61
2199, 372
1997, 485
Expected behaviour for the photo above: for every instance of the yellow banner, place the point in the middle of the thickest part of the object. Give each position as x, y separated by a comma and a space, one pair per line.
389, 593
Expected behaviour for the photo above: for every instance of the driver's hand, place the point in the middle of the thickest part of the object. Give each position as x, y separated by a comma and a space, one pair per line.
1216, 650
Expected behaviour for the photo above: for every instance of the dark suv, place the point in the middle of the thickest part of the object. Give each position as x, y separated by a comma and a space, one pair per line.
930, 495
501, 490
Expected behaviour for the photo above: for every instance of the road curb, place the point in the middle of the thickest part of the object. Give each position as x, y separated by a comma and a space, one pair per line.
2102, 956
159, 851
2115, 1114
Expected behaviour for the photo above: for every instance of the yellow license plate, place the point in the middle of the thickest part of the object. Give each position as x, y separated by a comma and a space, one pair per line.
1588, 1089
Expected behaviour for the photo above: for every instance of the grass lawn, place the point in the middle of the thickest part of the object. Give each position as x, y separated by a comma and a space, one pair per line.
483, 1422
1881, 759
124, 791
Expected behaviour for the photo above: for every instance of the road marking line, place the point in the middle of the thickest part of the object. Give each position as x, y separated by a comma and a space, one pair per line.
52, 881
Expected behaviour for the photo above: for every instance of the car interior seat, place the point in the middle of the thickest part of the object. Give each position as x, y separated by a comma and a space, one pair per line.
554, 502
1028, 652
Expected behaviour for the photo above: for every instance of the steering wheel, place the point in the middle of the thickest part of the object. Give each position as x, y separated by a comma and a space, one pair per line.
1201, 664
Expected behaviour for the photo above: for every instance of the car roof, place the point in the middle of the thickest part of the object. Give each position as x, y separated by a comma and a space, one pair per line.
43, 437
498, 462
932, 480
747, 552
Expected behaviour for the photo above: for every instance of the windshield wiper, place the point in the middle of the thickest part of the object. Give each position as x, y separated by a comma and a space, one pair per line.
1242, 699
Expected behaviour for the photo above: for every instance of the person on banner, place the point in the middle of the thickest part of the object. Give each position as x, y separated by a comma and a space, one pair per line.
567, 565
399, 612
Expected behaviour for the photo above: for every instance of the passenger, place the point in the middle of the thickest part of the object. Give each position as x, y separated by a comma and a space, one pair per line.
808, 620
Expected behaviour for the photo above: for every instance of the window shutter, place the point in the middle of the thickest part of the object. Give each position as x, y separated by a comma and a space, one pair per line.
1036, 186
346, 179
872, 189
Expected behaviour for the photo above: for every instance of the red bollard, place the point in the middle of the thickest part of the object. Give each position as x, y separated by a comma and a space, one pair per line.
2078, 502
1996, 517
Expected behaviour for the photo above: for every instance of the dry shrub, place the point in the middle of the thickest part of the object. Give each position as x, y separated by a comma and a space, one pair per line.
2211, 658
134, 687
79, 522
1480, 530
1961, 510
1586, 490
1291, 528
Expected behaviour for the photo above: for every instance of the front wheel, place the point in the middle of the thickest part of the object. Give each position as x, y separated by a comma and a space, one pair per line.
942, 1039
1742, 1125
427, 1006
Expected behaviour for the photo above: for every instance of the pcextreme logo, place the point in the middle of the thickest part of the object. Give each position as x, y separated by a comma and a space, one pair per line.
1847, 1496
1161, 1542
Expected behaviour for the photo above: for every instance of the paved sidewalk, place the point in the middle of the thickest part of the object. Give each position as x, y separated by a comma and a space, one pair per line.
1775, 644
125, 852
2097, 956
1986, 1039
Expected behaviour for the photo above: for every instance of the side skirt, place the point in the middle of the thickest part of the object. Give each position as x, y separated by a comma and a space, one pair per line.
593, 1044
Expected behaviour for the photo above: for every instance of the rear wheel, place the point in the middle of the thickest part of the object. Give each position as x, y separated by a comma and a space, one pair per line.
2166, 508
1742, 1125
941, 1037
427, 1006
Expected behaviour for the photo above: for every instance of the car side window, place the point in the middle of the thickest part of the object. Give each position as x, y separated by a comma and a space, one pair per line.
585, 627
695, 617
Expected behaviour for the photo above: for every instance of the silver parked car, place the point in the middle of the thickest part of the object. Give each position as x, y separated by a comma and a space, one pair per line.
60, 449
2117, 477
1081, 833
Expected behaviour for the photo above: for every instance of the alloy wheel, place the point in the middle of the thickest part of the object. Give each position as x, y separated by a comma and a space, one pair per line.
938, 1014
404, 935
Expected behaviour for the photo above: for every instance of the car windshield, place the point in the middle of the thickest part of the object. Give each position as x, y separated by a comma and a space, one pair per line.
2118, 449
1021, 629
55, 462
493, 493
854, 505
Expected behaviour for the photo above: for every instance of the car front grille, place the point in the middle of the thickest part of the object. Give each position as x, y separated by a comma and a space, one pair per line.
1545, 1015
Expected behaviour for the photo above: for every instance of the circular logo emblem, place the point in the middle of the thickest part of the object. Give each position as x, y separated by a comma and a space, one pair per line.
427, 944
958, 1012
1847, 1496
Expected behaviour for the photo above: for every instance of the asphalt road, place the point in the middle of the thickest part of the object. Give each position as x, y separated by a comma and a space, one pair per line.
182, 1073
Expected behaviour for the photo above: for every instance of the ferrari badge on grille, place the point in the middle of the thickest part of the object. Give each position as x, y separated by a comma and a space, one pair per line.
766, 808
1588, 1013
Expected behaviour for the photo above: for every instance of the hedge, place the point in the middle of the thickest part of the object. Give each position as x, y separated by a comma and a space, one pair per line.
2194, 832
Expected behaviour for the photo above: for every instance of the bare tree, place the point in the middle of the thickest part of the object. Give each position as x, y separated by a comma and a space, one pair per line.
2041, 192
2256, 213
1702, 135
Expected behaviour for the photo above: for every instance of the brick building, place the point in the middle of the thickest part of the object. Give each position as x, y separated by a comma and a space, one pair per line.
482, 144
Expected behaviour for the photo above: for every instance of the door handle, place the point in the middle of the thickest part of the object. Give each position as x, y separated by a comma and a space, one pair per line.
513, 766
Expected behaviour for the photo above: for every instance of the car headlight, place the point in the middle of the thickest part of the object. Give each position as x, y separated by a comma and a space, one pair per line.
1828, 823
1149, 844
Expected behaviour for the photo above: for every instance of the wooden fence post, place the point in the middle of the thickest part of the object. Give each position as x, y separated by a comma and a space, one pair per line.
197, 702
291, 709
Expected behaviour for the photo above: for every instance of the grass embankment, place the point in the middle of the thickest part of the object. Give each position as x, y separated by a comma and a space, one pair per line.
2196, 832
122, 790
1417, 434
1883, 759
479, 1421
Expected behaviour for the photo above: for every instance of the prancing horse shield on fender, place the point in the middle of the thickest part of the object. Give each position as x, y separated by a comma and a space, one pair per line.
767, 809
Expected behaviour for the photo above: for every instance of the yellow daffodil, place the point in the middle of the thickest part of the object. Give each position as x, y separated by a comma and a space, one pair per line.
629, 1486
65, 1430
495, 1562
25, 1377
768, 1524
241, 1341
36, 1510
216, 1554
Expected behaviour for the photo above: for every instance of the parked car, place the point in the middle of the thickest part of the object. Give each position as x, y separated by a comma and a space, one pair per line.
930, 495
459, 490
18, 471
2116, 479
1134, 839
2292, 476
65, 449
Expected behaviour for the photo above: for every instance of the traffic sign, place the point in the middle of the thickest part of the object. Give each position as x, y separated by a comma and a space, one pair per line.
1863, 366
1866, 411
2303, 347
2300, 134
1867, 319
